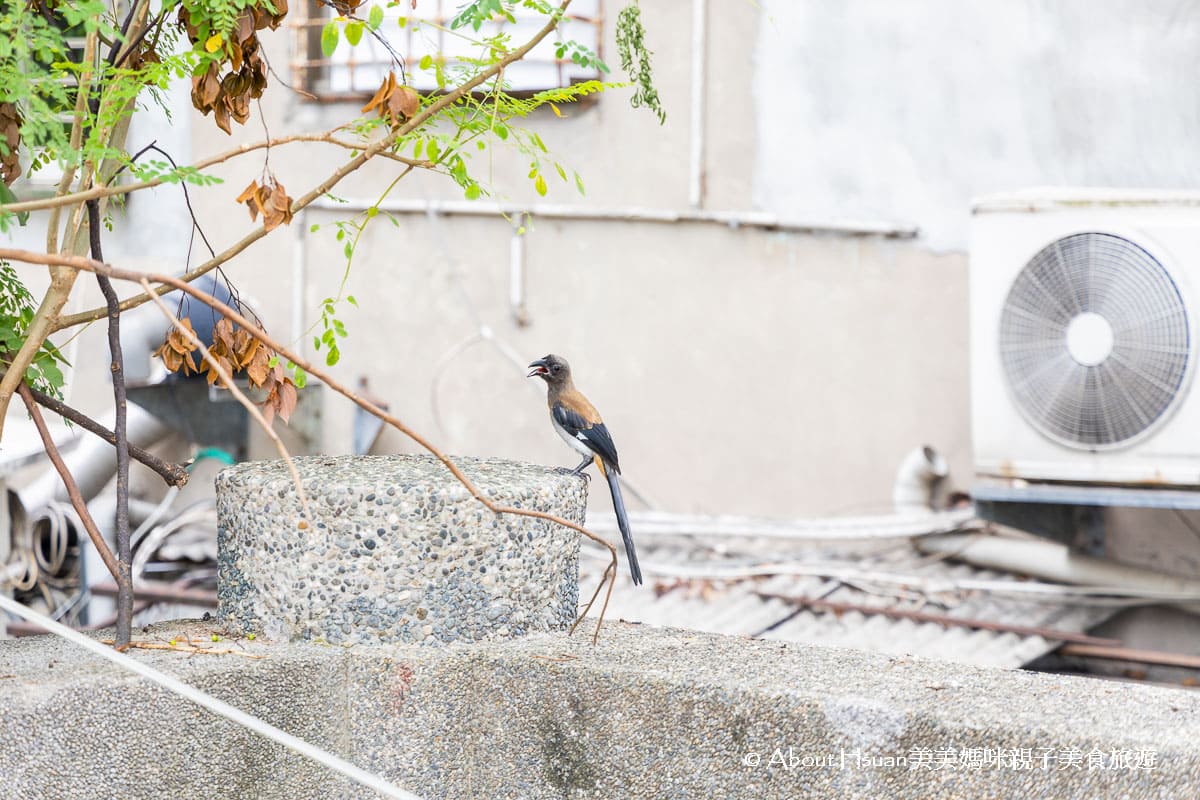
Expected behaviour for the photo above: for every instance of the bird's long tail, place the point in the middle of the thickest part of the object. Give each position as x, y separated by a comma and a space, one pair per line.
623, 523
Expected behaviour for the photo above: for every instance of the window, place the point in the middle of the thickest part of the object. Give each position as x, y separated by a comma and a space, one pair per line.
357, 72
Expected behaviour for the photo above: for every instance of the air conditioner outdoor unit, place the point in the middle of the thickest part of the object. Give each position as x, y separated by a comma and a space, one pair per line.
1083, 337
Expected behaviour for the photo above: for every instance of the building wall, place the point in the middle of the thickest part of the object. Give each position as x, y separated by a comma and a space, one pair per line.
907, 110
740, 370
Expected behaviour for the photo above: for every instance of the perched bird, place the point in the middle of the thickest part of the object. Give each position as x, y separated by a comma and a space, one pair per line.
580, 426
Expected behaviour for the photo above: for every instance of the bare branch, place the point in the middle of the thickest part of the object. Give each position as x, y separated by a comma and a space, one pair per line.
97, 192
120, 408
173, 474
77, 501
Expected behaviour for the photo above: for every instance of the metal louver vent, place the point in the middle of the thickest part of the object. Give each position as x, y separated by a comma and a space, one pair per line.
1094, 340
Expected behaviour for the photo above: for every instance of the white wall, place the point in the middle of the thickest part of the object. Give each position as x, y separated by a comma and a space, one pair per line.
904, 111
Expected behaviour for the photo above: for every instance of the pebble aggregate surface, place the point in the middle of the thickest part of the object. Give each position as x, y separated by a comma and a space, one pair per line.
397, 550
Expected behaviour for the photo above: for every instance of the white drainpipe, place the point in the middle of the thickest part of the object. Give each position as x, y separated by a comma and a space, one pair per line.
699, 97
731, 219
1052, 561
917, 480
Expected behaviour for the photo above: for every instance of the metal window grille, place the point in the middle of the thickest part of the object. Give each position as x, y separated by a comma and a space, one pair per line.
357, 72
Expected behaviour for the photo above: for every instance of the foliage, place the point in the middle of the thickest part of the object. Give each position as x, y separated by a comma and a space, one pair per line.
16, 311
237, 352
635, 60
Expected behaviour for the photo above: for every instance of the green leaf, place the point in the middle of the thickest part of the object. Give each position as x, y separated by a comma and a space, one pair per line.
579, 184
539, 183
354, 32
472, 192
350, 299
332, 356
426, 61
376, 17
329, 38
7, 196
561, 172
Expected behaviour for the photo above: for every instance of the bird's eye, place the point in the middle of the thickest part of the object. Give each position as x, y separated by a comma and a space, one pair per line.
556, 368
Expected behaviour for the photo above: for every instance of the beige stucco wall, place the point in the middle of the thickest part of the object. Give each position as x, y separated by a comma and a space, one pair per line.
740, 370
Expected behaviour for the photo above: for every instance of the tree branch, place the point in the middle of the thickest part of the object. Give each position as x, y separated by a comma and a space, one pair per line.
61, 281
77, 501
120, 432
97, 192
173, 474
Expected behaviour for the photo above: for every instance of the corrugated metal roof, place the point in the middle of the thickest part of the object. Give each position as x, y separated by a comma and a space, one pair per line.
688, 585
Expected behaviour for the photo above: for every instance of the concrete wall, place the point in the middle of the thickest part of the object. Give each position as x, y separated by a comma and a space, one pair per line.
907, 110
740, 370
648, 713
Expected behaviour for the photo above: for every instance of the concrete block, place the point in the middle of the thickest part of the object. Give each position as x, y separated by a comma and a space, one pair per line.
398, 552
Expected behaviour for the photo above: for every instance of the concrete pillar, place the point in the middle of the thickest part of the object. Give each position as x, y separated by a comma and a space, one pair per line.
397, 551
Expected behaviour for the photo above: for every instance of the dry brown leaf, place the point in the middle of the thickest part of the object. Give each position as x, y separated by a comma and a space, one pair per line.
403, 103
247, 197
258, 369
223, 333
380, 97
176, 350
394, 102
287, 399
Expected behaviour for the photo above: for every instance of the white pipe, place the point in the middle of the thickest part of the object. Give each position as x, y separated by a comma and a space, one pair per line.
93, 461
732, 219
917, 479
218, 707
516, 277
819, 529
1056, 562
299, 280
699, 92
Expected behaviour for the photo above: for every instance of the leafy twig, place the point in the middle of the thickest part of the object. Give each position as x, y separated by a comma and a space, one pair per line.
375, 148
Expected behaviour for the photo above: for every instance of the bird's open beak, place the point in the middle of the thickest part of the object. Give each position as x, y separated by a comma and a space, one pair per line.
538, 368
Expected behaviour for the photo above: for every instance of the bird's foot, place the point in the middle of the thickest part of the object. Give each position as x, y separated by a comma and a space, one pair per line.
576, 472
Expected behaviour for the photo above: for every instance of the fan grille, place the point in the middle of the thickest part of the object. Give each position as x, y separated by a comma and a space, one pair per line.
1105, 389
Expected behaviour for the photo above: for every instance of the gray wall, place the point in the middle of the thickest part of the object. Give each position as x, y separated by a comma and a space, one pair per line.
740, 370
907, 110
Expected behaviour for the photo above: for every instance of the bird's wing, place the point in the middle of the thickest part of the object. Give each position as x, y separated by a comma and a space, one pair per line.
593, 434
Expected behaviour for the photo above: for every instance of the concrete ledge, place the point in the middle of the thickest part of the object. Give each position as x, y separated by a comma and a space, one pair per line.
648, 713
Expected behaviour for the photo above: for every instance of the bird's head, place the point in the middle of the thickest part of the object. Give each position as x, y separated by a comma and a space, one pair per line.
552, 369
